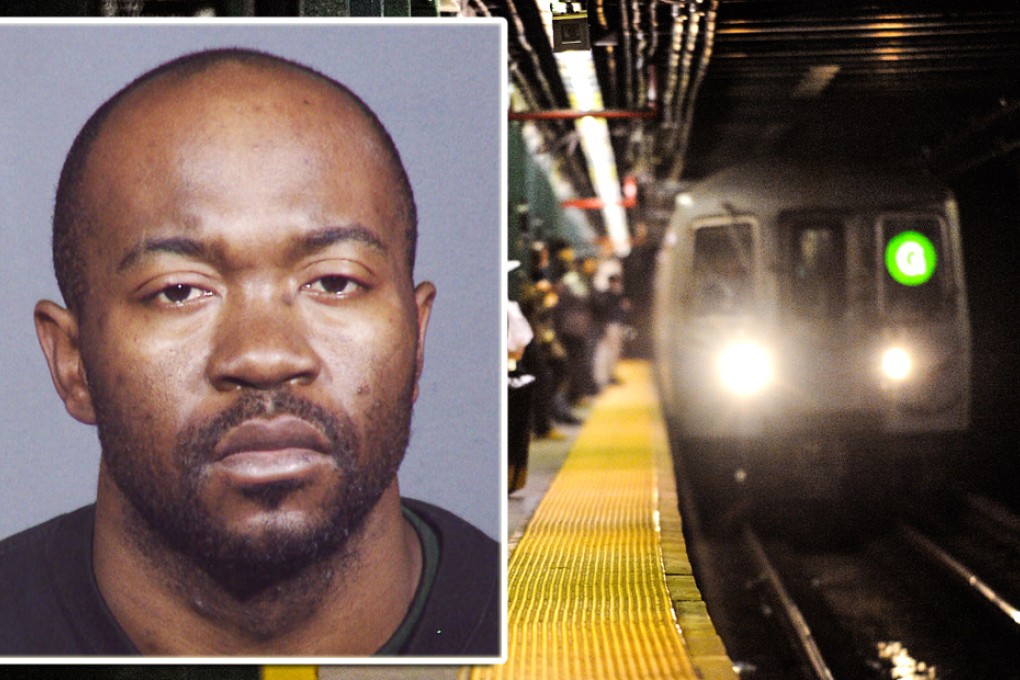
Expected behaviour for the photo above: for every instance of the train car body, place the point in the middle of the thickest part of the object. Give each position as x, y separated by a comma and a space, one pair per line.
805, 313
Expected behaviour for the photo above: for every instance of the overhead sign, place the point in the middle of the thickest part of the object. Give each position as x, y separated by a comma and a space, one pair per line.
910, 258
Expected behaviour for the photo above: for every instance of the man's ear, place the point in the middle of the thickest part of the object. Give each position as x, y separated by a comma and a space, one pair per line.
424, 294
57, 329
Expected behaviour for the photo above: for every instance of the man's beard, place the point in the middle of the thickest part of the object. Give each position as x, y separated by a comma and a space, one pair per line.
167, 495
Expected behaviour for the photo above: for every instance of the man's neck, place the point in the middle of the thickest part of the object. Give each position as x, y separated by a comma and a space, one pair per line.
345, 605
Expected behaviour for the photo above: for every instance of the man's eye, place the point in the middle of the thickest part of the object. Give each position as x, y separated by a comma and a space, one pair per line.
180, 293
335, 285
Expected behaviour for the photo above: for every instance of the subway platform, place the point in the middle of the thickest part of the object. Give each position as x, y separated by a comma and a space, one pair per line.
599, 583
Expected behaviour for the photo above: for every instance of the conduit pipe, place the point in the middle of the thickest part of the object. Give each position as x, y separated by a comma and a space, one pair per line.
596, 203
572, 114
687, 114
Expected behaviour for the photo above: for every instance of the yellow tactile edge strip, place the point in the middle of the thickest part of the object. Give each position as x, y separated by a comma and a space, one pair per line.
290, 673
706, 648
588, 594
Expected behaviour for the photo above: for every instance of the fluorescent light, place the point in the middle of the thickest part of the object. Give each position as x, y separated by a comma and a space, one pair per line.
578, 73
815, 81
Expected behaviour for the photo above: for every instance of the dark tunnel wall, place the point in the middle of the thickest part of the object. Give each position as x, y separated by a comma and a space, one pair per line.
989, 199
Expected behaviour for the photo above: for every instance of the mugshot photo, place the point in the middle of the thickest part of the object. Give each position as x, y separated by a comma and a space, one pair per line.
252, 348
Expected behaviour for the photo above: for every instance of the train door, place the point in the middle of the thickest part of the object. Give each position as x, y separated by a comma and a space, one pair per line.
719, 305
821, 402
827, 313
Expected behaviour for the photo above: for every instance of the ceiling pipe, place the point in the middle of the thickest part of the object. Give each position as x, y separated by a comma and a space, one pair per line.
675, 105
687, 114
610, 91
596, 203
572, 114
642, 52
626, 56
522, 41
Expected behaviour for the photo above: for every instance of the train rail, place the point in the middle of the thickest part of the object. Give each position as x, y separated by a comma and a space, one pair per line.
924, 602
796, 624
989, 536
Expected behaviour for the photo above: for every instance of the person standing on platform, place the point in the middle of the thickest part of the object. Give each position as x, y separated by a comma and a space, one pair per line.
545, 358
520, 386
575, 324
611, 309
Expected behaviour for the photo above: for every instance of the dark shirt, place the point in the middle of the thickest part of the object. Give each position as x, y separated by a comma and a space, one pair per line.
45, 8
609, 308
50, 604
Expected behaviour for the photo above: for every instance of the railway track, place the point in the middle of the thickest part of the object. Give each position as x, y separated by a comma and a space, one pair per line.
933, 600
988, 539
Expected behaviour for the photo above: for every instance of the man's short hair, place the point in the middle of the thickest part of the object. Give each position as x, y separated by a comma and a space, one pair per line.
71, 214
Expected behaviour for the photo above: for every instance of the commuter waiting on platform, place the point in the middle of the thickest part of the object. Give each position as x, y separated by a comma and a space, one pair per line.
520, 391
234, 238
611, 311
575, 324
545, 358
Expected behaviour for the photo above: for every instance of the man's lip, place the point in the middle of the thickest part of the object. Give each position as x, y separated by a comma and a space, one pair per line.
275, 434
259, 467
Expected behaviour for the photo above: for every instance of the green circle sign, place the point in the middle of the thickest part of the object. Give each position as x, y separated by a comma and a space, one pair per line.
910, 258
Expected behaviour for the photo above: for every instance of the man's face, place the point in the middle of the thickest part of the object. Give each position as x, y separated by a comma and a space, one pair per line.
250, 335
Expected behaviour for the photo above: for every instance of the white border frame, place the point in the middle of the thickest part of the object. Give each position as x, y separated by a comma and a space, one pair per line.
501, 272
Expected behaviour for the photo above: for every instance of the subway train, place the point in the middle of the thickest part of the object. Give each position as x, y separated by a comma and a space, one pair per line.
812, 332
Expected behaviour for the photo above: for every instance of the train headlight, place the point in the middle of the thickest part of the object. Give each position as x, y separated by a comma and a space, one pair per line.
897, 364
745, 368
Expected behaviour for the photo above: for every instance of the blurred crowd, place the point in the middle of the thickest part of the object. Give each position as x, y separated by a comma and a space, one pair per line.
576, 315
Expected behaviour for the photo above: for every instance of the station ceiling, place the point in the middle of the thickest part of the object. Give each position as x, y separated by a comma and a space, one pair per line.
928, 82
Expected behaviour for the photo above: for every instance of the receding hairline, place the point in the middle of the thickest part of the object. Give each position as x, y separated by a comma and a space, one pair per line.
72, 206
208, 80
184, 70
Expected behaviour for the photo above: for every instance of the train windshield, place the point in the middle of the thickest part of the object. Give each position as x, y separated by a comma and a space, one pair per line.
723, 268
911, 265
816, 281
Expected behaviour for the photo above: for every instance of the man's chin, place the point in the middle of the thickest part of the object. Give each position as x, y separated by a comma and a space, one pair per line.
268, 550
250, 540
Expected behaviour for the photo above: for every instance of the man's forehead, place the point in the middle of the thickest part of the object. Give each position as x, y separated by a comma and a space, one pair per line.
169, 123
222, 87
185, 132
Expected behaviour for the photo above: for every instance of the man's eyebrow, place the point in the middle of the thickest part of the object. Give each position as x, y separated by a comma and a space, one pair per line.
305, 244
176, 245
321, 239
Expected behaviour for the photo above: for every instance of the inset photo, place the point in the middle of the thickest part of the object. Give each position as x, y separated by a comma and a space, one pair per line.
254, 345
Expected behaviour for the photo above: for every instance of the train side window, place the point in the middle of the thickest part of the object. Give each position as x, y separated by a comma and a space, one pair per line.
911, 264
816, 269
723, 269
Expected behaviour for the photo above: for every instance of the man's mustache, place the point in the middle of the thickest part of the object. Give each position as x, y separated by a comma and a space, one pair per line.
197, 443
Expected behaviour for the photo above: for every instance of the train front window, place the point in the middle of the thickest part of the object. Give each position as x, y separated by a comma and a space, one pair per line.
816, 281
911, 264
723, 269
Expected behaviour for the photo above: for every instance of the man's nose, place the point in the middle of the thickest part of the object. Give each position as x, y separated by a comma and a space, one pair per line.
261, 344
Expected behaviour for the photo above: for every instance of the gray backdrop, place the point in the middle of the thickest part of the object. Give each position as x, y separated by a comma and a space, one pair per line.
437, 88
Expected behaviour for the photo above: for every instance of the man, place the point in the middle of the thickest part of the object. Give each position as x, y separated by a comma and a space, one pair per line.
234, 237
